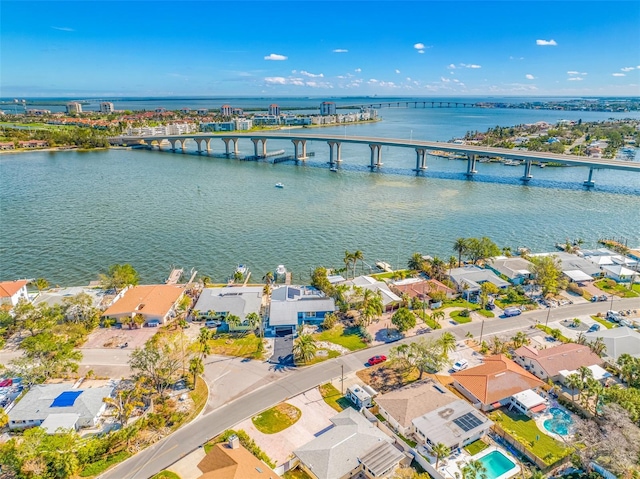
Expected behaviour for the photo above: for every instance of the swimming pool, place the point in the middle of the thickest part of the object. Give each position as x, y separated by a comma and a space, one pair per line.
560, 423
497, 464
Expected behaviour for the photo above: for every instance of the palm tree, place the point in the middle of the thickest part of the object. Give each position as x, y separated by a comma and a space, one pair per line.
440, 450
598, 346
416, 262
253, 321
196, 367
447, 343
437, 268
41, 284
520, 339
348, 258
474, 470
268, 278
437, 316
195, 314
574, 382
206, 281
203, 342
460, 246
304, 348
452, 263
498, 346
233, 321
357, 256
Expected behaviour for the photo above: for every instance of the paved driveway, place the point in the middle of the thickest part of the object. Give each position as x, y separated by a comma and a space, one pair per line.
283, 350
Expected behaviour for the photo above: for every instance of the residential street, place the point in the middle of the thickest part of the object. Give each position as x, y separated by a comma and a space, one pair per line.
266, 392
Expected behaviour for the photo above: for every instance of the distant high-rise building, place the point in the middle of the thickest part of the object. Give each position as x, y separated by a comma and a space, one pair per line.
274, 109
226, 110
327, 108
74, 107
106, 107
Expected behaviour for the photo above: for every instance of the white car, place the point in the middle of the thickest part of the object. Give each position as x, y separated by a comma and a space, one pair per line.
460, 365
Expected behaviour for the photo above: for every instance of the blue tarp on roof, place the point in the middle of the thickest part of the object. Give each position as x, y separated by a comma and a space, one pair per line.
66, 399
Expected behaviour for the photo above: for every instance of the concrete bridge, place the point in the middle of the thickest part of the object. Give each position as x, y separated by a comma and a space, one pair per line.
422, 148
414, 104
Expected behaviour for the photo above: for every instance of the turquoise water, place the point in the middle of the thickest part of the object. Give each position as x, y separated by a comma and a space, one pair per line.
560, 423
67, 216
496, 464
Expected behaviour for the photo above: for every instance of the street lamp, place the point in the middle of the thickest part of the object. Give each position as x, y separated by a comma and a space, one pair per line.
612, 295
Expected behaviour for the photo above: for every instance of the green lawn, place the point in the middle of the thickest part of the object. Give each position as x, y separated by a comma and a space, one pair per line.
636, 287
166, 475
276, 419
247, 346
333, 397
428, 321
604, 322
455, 315
347, 338
102, 465
475, 447
525, 430
296, 473
318, 359
618, 289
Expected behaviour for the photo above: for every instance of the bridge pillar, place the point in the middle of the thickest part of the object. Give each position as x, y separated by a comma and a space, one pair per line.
199, 143
235, 146
331, 145
173, 144
421, 160
227, 151
264, 147
299, 153
590, 183
304, 149
527, 171
338, 152
376, 156
471, 165
255, 146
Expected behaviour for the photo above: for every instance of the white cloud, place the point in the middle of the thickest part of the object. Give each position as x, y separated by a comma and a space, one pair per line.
311, 75
455, 80
451, 67
275, 57
444, 80
529, 76
420, 51
276, 80
627, 69
546, 43
419, 46
573, 72
340, 50
64, 29
618, 75
358, 70
297, 81
397, 71
516, 58
465, 65
575, 78
372, 80
408, 78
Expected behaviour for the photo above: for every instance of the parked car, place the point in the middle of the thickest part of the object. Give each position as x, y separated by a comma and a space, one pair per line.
460, 365
490, 306
613, 316
594, 327
508, 312
627, 323
153, 323
376, 360
211, 323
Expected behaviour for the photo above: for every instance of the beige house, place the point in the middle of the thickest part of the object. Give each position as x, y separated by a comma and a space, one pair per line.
547, 363
156, 303
231, 460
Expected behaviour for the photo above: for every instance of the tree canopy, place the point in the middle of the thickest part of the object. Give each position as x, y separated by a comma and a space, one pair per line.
119, 276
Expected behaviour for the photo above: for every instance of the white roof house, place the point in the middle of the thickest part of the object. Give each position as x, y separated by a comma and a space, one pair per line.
618, 341
620, 273
577, 276
294, 305
572, 262
59, 404
598, 372
239, 301
389, 298
515, 268
470, 277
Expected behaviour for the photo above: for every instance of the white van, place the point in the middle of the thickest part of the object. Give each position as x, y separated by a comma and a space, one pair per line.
460, 365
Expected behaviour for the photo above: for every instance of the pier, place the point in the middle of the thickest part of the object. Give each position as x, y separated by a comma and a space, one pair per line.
174, 276
422, 149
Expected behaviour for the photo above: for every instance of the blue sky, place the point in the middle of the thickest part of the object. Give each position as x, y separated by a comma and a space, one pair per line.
336, 48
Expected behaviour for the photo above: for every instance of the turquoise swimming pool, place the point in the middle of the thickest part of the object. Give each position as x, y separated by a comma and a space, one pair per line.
560, 423
497, 464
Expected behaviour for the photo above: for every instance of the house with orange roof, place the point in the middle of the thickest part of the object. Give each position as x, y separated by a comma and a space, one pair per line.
13, 291
548, 363
494, 383
156, 303
231, 460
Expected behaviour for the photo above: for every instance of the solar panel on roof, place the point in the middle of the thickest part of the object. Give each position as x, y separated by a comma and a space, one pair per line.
66, 399
467, 422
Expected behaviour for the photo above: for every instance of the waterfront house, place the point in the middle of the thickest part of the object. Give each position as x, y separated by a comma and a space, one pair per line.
517, 270
420, 288
618, 341
33, 144
620, 273
230, 460
390, 300
54, 406
7, 145
351, 446
292, 306
13, 291
156, 303
491, 385
218, 303
469, 278
571, 263
548, 363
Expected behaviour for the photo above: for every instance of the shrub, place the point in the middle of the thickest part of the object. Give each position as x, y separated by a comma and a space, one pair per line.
575, 289
465, 313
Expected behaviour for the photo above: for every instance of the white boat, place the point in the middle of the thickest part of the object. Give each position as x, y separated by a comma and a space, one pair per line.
542, 165
333, 169
281, 270
512, 163
241, 268
279, 185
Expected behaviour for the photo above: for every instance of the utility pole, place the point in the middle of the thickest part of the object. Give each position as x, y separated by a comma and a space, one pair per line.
342, 380
548, 314
481, 332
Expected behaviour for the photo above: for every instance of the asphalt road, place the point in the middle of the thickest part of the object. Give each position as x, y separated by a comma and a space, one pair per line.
164, 453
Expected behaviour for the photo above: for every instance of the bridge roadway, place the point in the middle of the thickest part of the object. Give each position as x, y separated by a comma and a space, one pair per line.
190, 437
299, 140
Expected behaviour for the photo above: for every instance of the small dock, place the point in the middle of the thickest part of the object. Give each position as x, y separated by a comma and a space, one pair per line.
287, 277
175, 276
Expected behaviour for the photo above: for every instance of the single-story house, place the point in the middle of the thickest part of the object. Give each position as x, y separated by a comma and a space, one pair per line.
528, 402
516, 270
572, 262
420, 288
13, 291
239, 301
547, 363
577, 276
156, 302
620, 273
7, 145
491, 384
469, 278
352, 445
230, 460
390, 300
295, 305
618, 341
401, 406
454, 425
59, 405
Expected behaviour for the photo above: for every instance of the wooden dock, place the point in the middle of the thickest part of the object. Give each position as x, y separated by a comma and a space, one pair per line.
287, 278
175, 276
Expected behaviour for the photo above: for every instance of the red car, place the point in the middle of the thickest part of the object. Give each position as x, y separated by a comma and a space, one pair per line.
377, 360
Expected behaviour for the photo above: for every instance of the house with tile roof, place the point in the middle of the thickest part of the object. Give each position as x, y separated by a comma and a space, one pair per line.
13, 291
548, 363
420, 288
492, 384
230, 460
352, 445
156, 303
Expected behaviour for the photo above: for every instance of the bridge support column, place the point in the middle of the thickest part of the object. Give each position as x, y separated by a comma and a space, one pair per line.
338, 147
199, 143
331, 145
227, 151
208, 143
471, 165
235, 146
304, 149
264, 147
295, 149
421, 160
255, 146
527, 171
590, 183
376, 156
173, 145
